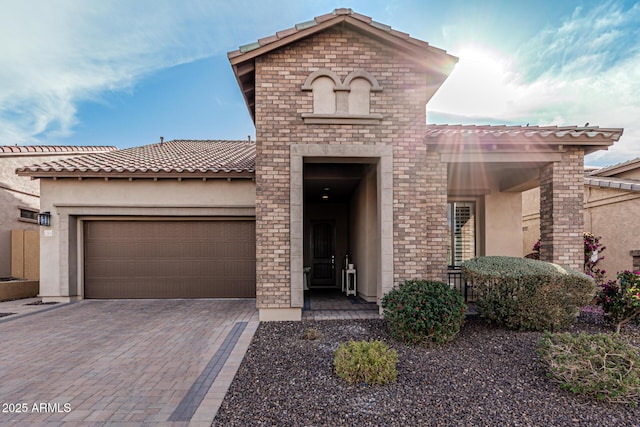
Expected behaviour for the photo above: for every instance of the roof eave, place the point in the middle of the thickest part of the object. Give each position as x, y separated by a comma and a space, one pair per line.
249, 174
618, 168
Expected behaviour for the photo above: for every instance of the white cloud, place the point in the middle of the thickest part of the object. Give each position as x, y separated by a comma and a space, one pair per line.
586, 70
57, 53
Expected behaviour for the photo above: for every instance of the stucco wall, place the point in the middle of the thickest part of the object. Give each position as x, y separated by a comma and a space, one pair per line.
17, 191
364, 235
503, 224
70, 201
610, 213
530, 219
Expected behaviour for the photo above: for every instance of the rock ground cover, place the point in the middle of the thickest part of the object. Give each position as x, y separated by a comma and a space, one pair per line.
487, 376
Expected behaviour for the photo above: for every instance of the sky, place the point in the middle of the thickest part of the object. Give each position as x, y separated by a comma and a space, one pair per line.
124, 73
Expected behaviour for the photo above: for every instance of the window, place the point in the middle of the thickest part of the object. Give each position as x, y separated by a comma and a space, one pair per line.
28, 215
461, 223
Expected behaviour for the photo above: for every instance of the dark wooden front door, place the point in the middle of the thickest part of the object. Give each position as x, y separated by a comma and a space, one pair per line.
323, 253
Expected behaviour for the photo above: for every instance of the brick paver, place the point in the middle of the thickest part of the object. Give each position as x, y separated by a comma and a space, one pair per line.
129, 361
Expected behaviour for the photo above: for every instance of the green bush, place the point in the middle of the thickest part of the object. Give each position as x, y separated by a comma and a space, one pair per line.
599, 365
527, 294
420, 311
366, 362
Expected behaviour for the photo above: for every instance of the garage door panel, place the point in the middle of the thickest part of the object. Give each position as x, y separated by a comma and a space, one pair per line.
169, 259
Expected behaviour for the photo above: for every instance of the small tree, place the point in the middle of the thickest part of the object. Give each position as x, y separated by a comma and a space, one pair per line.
621, 301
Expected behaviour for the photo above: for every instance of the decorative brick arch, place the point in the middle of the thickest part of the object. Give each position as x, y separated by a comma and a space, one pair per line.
308, 83
340, 102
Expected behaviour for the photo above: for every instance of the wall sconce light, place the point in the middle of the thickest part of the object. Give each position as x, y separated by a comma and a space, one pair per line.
44, 219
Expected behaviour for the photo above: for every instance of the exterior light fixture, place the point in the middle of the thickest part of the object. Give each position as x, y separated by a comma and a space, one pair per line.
44, 219
325, 197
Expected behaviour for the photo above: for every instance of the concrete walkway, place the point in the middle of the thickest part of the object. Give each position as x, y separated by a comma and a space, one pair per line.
121, 362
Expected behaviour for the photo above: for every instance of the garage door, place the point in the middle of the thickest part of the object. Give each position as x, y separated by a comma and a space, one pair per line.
169, 259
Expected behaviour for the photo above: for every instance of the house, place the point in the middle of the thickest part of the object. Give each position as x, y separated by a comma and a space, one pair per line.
611, 210
20, 196
343, 164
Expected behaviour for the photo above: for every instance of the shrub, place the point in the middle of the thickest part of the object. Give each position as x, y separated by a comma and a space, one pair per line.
621, 301
527, 294
368, 362
599, 365
311, 334
420, 311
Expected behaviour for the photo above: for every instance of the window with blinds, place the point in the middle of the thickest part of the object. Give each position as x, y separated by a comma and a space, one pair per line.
461, 221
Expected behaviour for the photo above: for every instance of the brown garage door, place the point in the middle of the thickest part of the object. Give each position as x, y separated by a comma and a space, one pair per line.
169, 259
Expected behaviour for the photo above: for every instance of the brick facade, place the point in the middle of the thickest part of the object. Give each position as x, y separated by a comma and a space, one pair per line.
419, 191
561, 210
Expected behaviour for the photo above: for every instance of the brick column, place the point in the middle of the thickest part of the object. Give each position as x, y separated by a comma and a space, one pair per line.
562, 210
436, 217
420, 214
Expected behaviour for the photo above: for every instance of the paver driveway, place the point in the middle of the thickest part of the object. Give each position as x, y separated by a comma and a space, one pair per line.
135, 361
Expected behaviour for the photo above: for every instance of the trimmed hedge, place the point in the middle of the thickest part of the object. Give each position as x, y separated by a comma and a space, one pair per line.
527, 294
420, 312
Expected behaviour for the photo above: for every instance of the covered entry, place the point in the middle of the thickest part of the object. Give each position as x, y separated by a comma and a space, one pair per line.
170, 259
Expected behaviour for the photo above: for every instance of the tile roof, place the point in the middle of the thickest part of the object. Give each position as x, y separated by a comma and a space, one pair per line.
526, 131
593, 137
616, 183
617, 168
318, 20
167, 158
54, 148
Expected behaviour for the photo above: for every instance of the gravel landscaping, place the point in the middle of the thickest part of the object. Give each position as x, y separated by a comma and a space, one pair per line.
487, 376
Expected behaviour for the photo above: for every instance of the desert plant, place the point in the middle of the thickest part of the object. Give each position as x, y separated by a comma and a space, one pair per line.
621, 300
420, 311
366, 362
311, 334
527, 294
598, 365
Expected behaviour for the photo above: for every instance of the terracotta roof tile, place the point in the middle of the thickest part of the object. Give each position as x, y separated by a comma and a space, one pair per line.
179, 156
615, 183
323, 18
54, 148
617, 168
437, 132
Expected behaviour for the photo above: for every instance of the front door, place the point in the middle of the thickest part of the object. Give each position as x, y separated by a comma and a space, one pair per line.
323, 253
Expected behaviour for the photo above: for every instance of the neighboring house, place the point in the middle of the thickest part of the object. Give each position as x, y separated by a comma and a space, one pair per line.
611, 210
344, 164
20, 196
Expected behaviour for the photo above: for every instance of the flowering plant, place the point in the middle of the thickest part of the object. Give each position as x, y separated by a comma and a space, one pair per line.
592, 250
621, 300
592, 256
